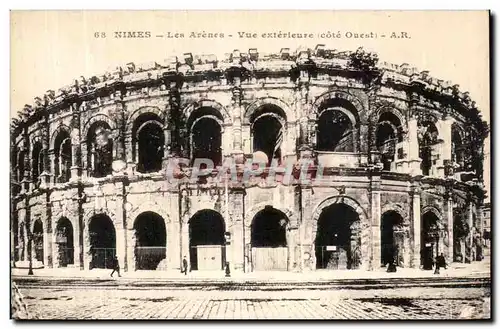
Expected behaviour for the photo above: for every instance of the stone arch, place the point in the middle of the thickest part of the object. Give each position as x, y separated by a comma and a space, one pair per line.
287, 109
206, 230
150, 236
348, 201
434, 210
399, 209
94, 212
140, 111
192, 107
59, 129
38, 230
337, 94
96, 118
338, 221
147, 206
261, 206
64, 239
375, 115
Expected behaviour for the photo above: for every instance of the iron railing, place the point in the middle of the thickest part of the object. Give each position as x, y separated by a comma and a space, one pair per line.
102, 257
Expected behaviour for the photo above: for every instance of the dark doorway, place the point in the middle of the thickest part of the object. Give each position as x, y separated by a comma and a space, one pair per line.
151, 241
429, 239
102, 241
269, 240
269, 228
38, 240
64, 241
391, 243
206, 240
337, 238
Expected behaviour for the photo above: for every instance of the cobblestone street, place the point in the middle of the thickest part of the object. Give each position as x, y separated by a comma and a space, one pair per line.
282, 303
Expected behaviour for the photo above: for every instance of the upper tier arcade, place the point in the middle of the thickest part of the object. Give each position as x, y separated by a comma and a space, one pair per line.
344, 109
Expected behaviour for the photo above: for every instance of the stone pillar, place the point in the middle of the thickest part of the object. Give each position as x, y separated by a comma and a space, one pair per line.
416, 224
237, 113
54, 160
237, 230
76, 241
174, 255
174, 244
129, 154
22, 228
306, 236
47, 235
407, 254
448, 253
444, 128
412, 149
292, 235
375, 221
87, 258
47, 249
76, 152
480, 224
185, 240
469, 240
119, 142
130, 237
121, 226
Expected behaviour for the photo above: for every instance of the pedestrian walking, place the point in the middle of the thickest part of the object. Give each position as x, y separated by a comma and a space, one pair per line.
116, 267
184, 265
441, 261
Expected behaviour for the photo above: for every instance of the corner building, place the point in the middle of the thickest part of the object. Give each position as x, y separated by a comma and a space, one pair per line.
400, 153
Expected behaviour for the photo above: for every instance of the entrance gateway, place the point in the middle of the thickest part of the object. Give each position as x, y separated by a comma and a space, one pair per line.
269, 241
206, 241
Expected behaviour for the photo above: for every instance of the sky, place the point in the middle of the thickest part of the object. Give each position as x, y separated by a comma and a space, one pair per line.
51, 49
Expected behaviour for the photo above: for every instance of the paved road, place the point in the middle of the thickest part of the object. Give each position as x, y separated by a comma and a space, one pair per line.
236, 302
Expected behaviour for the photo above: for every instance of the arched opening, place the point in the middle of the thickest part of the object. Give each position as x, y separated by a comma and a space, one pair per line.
37, 163
150, 241
335, 131
428, 139
16, 233
148, 143
206, 140
392, 238
269, 240
38, 240
99, 150
458, 149
206, 240
337, 241
429, 239
65, 242
20, 166
102, 242
205, 127
268, 131
389, 134
62, 152
15, 177
460, 231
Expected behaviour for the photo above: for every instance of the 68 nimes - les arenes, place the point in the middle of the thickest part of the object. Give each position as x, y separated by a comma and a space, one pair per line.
401, 154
